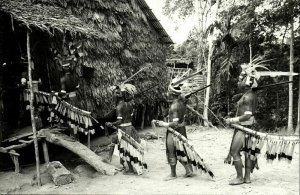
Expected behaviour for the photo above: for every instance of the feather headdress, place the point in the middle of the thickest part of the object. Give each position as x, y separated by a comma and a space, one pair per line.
252, 74
178, 83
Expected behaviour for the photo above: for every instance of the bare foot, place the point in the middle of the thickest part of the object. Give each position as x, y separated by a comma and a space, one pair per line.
105, 160
236, 181
191, 174
128, 172
247, 180
170, 177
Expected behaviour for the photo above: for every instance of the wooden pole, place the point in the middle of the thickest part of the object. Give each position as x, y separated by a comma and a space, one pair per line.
143, 117
36, 149
89, 140
45, 151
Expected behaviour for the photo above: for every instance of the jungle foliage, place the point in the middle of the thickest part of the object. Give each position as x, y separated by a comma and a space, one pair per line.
264, 26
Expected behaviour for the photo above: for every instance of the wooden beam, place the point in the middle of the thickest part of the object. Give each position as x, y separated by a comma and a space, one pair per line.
81, 150
26, 142
11, 139
18, 146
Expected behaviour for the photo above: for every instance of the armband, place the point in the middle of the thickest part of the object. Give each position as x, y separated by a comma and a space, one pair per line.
248, 112
163, 124
234, 120
119, 117
175, 119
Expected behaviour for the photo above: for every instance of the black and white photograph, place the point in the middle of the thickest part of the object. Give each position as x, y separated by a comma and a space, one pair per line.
150, 97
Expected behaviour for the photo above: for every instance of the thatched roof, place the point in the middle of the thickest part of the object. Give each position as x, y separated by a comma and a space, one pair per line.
48, 17
117, 37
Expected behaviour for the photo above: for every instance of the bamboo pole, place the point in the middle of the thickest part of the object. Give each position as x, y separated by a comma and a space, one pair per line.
36, 149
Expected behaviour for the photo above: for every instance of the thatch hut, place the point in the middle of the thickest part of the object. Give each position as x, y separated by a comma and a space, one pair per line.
104, 41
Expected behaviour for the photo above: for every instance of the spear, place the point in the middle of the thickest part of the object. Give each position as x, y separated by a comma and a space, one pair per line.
196, 91
271, 85
146, 90
142, 69
188, 77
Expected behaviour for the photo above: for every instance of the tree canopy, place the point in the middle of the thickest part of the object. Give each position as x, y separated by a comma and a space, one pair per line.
260, 25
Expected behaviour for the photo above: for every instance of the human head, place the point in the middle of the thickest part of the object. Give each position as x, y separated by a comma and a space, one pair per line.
174, 91
116, 91
245, 82
249, 76
124, 91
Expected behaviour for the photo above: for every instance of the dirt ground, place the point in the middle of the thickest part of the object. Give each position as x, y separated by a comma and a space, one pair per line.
278, 177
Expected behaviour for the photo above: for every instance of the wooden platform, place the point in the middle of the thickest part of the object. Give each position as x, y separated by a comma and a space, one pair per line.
56, 137
20, 139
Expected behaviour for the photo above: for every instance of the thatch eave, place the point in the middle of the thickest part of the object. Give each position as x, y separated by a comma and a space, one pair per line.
48, 18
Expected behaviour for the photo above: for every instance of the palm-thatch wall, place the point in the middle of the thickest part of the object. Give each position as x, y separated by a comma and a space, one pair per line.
116, 38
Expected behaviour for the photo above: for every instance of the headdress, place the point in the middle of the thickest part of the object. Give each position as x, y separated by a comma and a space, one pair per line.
253, 75
174, 88
180, 84
128, 88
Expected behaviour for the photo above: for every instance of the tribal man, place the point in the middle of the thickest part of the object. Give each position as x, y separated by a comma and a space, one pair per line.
69, 85
123, 96
246, 108
177, 122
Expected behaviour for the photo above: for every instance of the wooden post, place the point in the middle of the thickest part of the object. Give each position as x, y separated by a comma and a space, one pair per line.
45, 151
15, 159
89, 140
143, 117
36, 149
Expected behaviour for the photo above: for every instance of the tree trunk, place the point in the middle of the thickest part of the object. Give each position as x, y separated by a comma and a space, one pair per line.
36, 148
1, 74
208, 81
298, 120
290, 114
81, 150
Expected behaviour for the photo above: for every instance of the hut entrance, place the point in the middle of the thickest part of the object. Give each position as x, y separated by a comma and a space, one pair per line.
13, 70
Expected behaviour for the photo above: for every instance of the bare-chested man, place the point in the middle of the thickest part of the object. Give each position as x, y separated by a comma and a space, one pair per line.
176, 121
125, 107
69, 85
246, 108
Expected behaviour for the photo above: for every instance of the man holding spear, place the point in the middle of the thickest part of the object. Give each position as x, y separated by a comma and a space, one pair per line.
246, 108
123, 95
176, 142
